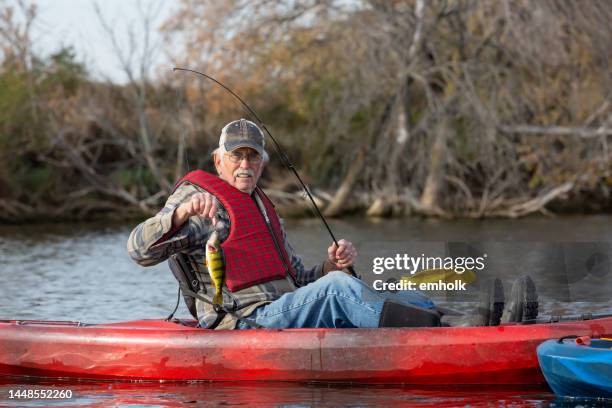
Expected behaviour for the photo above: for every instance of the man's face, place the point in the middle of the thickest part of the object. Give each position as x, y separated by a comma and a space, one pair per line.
241, 168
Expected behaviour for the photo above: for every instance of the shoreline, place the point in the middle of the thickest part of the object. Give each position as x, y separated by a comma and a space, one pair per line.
303, 214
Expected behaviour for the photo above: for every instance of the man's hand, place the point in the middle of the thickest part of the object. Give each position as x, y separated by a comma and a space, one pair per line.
342, 255
202, 204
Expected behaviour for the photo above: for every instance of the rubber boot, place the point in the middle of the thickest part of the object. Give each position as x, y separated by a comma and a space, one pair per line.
490, 305
523, 302
395, 314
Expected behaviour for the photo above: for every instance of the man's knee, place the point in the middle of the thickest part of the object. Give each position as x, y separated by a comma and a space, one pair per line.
336, 276
338, 280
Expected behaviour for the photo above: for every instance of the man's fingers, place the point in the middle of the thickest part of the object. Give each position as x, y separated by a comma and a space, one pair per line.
331, 251
213, 210
342, 254
343, 263
202, 204
346, 258
345, 250
344, 247
197, 204
206, 208
192, 207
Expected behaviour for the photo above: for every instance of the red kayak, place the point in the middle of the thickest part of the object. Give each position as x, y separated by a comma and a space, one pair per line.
160, 350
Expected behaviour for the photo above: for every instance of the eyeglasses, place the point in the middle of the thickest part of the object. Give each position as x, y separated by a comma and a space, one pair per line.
251, 157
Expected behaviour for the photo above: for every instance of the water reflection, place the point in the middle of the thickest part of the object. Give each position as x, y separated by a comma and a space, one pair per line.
96, 394
82, 272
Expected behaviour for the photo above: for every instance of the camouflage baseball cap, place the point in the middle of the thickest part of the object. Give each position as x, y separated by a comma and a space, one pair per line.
242, 133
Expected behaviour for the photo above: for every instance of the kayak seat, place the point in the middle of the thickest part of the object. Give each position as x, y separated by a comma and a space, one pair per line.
395, 314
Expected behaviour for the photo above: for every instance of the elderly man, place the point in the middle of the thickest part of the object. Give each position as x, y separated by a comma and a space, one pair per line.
266, 283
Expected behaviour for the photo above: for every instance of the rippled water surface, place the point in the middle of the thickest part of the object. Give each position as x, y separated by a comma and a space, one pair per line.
277, 395
83, 273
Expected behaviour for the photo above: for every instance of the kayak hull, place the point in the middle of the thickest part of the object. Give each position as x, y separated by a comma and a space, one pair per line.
159, 350
577, 370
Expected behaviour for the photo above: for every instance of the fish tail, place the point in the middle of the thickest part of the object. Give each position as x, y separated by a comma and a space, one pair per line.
218, 298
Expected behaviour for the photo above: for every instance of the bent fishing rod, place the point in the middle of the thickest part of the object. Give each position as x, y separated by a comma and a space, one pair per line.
284, 159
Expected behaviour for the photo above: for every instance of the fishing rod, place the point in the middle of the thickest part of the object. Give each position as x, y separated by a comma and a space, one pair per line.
284, 159
567, 318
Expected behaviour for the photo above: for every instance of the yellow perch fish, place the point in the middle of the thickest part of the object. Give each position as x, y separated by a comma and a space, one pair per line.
443, 275
214, 264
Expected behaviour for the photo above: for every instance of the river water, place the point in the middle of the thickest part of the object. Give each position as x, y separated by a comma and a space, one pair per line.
81, 272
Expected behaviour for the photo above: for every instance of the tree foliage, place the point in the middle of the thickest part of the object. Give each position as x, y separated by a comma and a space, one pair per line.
445, 107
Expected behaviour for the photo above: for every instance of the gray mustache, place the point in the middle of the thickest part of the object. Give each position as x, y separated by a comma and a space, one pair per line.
247, 172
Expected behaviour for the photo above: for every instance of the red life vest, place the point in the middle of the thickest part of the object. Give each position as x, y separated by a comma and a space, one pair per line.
251, 256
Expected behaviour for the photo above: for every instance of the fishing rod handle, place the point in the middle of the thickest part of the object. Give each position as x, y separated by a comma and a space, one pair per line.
352, 271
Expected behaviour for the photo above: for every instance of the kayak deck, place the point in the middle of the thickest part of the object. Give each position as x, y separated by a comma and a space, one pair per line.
577, 370
152, 350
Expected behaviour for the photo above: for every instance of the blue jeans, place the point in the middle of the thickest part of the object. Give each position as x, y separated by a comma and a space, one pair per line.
334, 300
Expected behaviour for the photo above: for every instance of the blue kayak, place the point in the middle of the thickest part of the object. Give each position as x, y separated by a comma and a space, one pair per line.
578, 367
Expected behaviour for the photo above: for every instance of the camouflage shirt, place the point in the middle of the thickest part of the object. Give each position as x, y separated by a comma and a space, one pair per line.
146, 247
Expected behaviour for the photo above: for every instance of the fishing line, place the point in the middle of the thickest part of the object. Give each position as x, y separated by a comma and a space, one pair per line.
284, 159
178, 300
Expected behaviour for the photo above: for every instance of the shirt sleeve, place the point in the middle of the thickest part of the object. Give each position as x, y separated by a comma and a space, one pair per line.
155, 239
